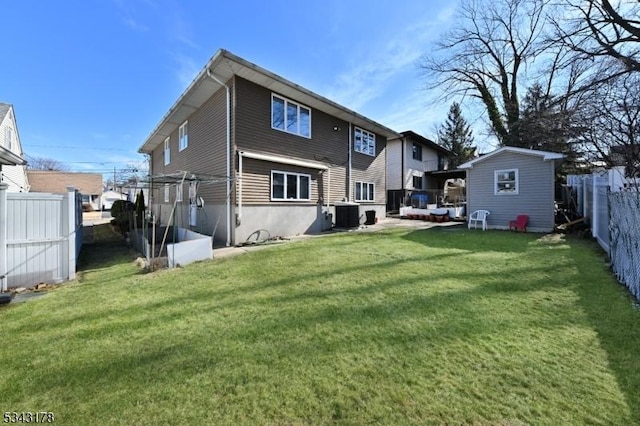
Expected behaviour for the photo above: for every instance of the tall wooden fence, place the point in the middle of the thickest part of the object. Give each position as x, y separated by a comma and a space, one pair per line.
40, 237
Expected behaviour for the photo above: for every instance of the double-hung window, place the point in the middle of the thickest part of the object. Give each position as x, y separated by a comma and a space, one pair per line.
183, 136
417, 152
166, 192
167, 151
179, 192
286, 186
506, 181
364, 142
290, 116
9, 138
365, 191
417, 182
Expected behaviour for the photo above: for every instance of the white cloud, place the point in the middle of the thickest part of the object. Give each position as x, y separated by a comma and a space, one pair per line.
135, 25
396, 53
185, 70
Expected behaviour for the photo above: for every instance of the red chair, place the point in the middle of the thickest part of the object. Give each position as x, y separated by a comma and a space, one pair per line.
520, 224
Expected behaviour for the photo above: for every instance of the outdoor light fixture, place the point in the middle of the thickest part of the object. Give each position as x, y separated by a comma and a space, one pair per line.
336, 128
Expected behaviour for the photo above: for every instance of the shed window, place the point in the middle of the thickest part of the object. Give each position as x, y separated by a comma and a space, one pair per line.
506, 181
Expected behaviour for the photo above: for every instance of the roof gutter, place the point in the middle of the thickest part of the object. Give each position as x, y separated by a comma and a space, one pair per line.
228, 136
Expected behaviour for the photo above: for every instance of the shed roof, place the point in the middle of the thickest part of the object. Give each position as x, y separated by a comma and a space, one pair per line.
223, 66
545, 155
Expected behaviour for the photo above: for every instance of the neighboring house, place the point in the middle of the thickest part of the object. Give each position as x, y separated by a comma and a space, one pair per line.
416, 165
512, 181
108, 197
12, 163
56, 182
244, 150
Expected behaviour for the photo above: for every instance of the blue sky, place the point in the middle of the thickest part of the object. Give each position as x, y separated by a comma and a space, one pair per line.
90, 79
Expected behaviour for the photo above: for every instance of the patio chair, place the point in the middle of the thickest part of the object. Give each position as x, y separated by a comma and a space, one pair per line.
520, 224
479, 216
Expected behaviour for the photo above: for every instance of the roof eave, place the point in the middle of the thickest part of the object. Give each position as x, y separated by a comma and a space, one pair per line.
225, 65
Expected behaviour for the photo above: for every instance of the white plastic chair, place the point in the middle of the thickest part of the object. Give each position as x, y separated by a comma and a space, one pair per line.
479, 216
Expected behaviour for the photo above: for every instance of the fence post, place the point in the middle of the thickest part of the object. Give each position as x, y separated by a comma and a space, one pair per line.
3, 236
594, 206
71, 223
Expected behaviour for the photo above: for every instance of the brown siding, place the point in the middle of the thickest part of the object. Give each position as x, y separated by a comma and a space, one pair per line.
205, 154
253, 132
256, 181
371, 169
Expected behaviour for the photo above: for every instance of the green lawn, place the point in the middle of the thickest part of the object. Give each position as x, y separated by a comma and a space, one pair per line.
440, 326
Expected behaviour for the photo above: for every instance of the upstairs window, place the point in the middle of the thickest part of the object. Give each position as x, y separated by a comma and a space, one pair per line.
365, 191
364, 142
167, 151
290, 117
8, 138
506, 181
417, 152
183, 136
290, 186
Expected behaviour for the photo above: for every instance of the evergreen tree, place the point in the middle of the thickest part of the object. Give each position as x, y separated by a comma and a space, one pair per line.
456, 136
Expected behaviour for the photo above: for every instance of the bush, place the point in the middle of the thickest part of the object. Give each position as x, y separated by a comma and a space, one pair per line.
121, 211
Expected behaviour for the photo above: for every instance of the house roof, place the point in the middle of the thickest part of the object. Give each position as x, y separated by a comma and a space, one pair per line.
57, 182
4, 109
545, 155
425, 141
8, 158
223, 66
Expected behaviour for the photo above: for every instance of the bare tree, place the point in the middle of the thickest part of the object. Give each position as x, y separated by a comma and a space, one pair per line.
597, 29
43, 163
612, 124
486, 55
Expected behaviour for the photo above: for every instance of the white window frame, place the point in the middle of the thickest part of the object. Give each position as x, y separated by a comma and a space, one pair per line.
166, 192
370, 193
289, 175
167, 151
179, 192
499, 177
183, 136
366, 144
9, 138
299, 107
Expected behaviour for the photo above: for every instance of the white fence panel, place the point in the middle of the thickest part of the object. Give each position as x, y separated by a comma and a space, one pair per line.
43, 237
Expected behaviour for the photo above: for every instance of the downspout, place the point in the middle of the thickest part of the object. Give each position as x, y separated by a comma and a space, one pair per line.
217, 80
239, 213
349, 171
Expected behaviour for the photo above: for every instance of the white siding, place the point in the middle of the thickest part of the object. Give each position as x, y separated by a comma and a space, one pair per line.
14, 176
394, 164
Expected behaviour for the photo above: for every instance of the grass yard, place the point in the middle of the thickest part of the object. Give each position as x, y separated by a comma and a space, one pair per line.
400, 326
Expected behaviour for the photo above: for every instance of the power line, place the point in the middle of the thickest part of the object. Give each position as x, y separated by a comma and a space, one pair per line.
75, 147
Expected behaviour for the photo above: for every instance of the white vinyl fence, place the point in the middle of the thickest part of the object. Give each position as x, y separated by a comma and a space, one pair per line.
614, 219
40, 237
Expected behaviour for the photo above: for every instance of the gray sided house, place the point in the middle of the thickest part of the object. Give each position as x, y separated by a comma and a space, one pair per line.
244, 150
512, 181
